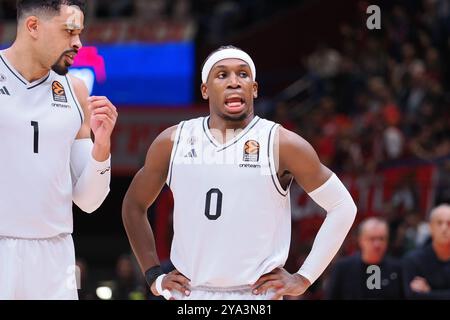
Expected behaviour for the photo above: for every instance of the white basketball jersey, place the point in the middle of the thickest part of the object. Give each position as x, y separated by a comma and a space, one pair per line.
38, 124
232, 218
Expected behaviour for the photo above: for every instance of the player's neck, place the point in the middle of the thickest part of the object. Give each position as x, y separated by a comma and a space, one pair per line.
371, 259
217, 123
442, 251
22, 60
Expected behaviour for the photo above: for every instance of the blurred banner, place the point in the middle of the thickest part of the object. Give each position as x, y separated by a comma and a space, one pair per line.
137, 128
392, 192
139, 74
119, 30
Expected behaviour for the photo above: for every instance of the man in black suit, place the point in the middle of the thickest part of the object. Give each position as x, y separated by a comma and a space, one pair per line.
368, 274
427, 269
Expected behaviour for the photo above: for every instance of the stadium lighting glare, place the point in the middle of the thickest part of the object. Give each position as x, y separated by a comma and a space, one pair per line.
104, 293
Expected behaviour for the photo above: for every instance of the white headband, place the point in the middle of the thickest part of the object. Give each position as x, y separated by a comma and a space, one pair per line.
227, 54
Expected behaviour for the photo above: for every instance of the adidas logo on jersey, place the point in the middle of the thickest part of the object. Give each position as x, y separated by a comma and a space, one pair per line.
4, 91
102, 172
191, 154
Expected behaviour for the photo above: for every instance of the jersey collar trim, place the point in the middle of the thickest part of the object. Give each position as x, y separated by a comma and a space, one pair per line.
30, 85
221, 147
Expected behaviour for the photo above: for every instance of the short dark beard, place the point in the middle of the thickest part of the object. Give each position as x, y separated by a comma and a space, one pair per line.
61, 67
239, 118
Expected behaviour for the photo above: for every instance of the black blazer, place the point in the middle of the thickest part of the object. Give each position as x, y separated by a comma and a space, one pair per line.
424, 263
348, 280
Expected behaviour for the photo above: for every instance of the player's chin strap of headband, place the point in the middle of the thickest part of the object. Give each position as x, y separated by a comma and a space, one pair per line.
227, 54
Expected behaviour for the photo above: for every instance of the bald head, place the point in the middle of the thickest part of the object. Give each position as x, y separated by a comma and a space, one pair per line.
440, 211
440, 224
373, 234
370, 224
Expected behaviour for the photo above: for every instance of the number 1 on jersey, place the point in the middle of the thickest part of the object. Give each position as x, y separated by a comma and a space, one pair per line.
217, 211
35, 125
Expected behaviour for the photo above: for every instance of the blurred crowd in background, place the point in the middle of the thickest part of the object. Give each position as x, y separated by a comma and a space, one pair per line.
208, 20
379, 99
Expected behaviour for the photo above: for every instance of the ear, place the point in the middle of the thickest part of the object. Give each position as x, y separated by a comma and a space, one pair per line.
32, 26
255, 89
204, 91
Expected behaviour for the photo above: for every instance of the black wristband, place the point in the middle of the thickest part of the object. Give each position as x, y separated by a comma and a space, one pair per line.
153, 273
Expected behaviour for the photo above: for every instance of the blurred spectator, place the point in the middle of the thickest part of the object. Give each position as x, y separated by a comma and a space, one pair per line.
150, 10
393, 142
324, 62
129, 285
226, 17
427, 269
283, 117
349, 276
181, 10
443, 185
405, 197
113, 9
410, 234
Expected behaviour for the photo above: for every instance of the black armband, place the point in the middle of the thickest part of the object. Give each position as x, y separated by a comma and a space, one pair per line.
152, 273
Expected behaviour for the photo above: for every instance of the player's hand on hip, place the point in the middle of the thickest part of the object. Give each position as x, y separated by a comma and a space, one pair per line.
103, 118
282, 282
174, 280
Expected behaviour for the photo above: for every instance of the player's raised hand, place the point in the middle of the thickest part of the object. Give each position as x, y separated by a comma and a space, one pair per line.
103, 118
284, 284
174, 280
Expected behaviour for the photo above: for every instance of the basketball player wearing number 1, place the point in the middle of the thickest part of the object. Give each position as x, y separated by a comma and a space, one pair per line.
48, 159
230, 175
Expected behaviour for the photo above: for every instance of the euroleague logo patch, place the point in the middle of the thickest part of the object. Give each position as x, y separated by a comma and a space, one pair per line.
59, 94
251, 151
